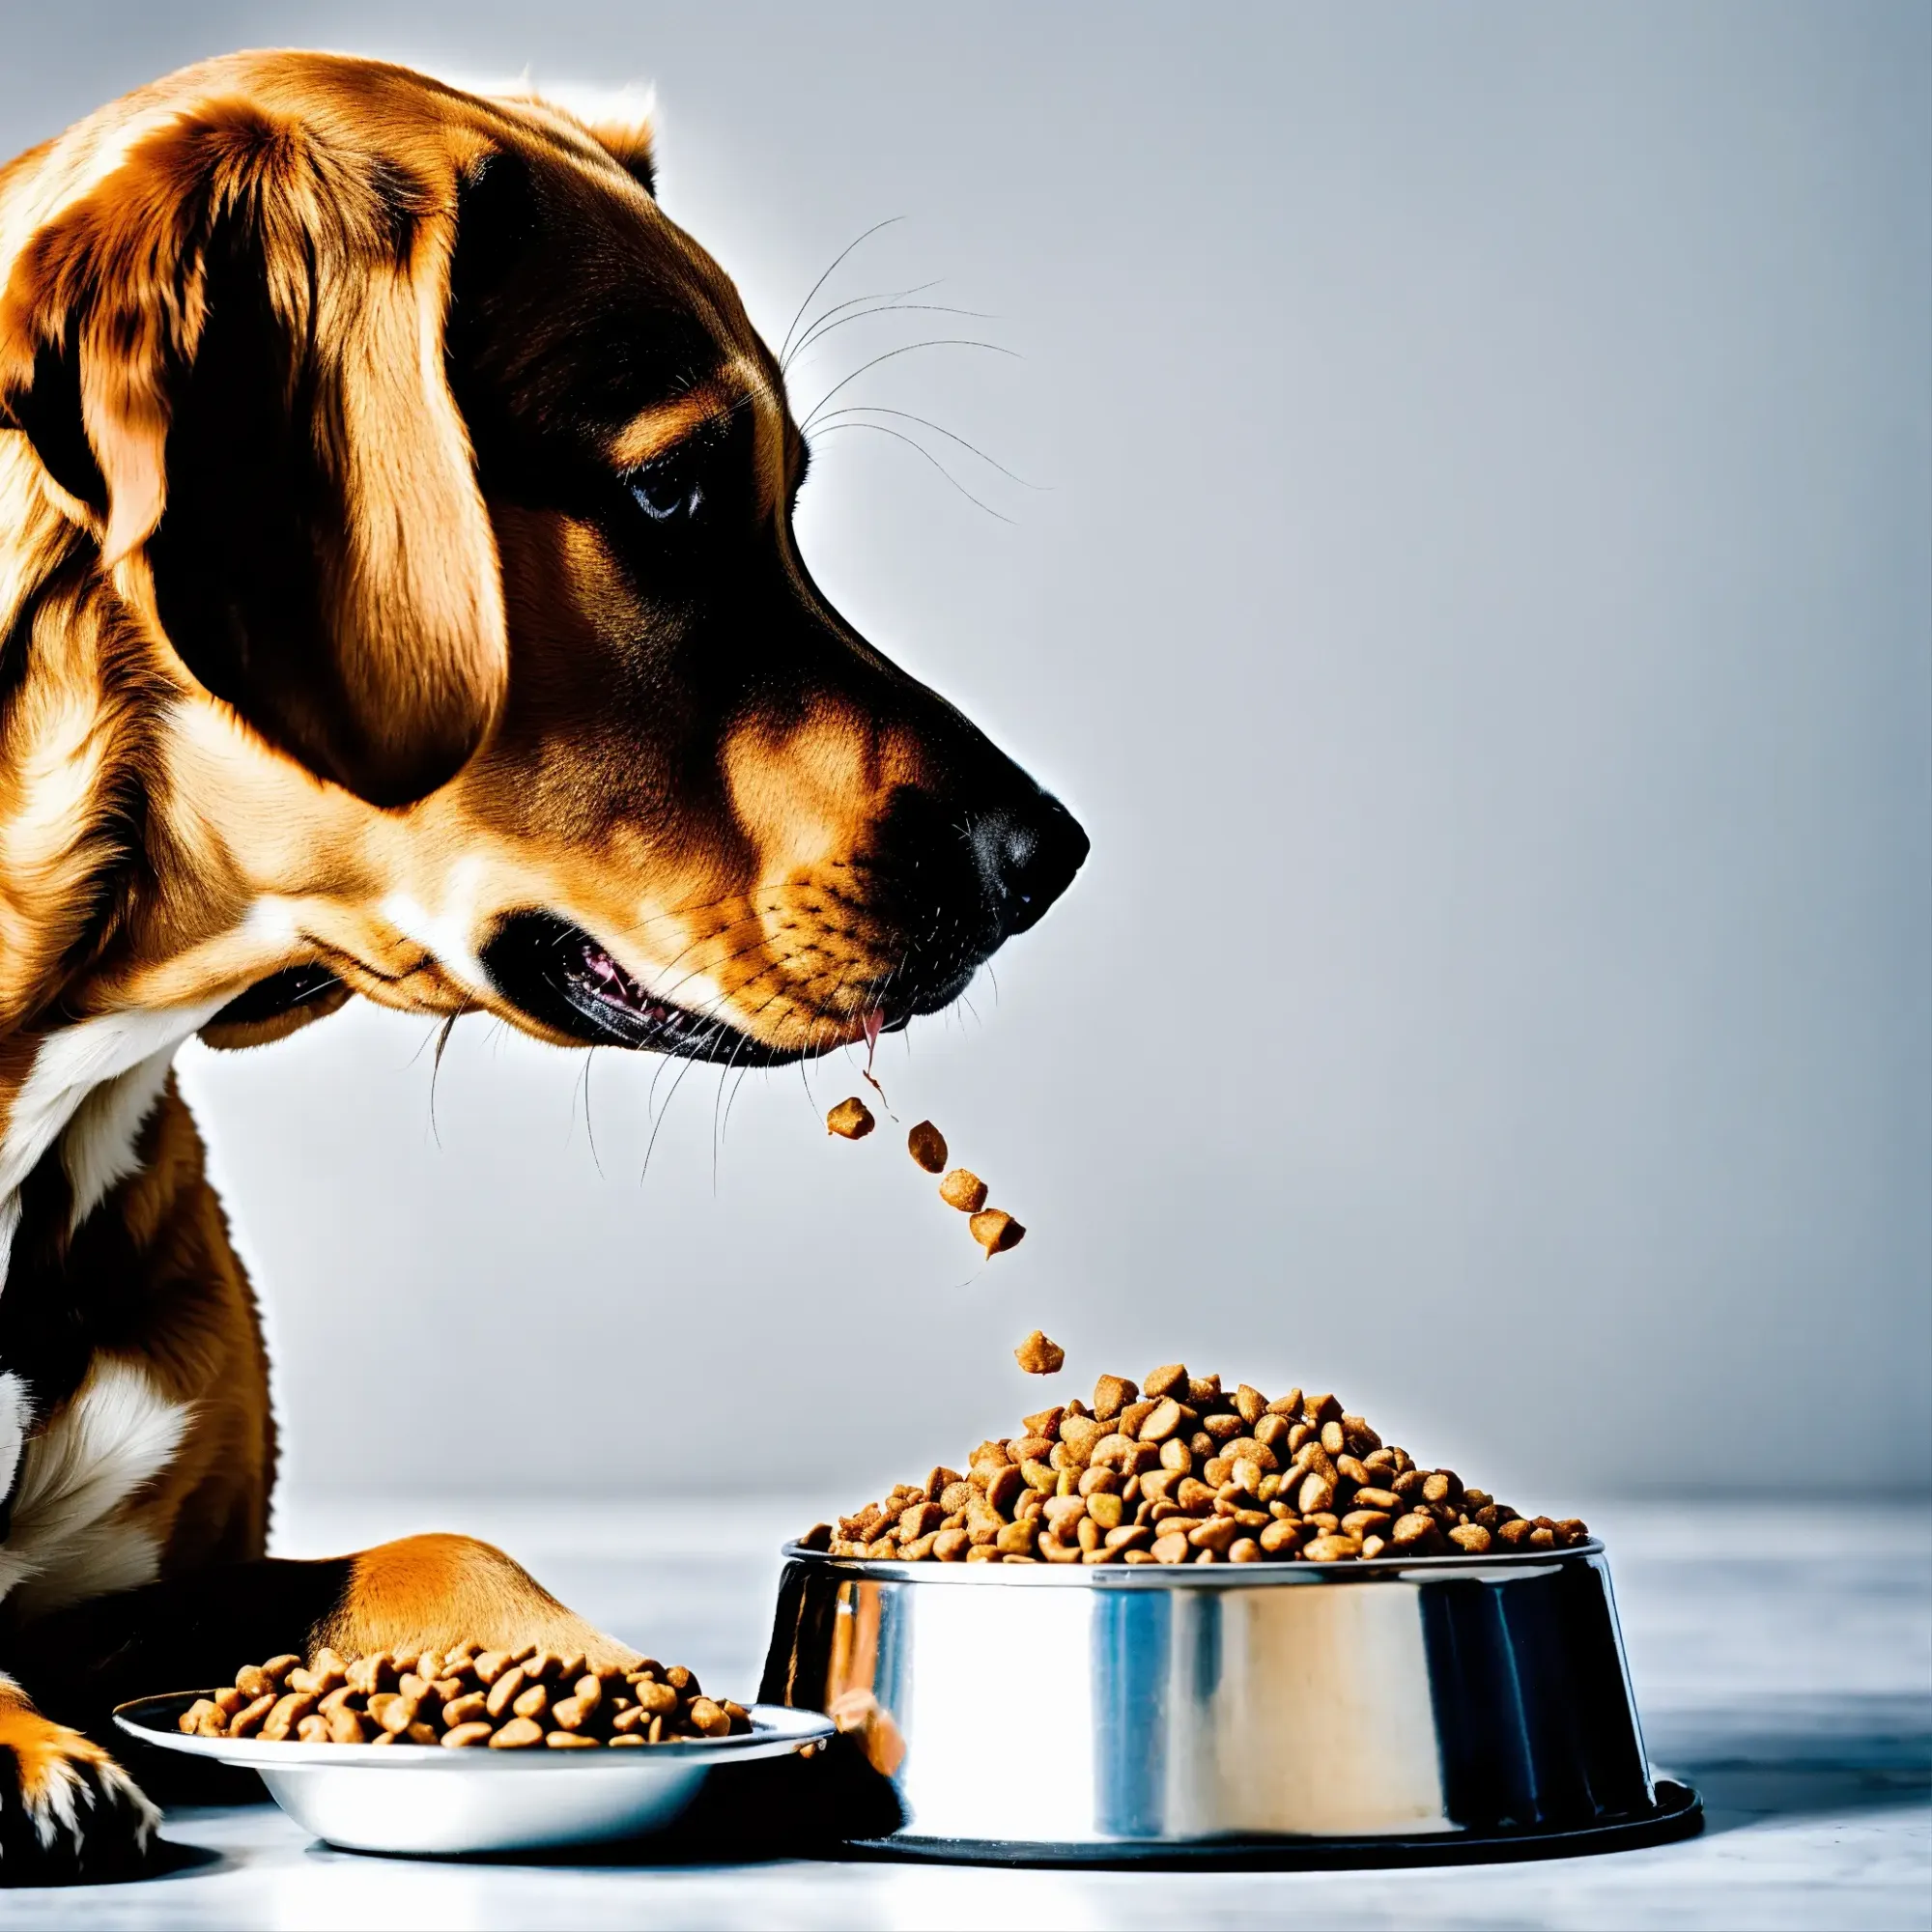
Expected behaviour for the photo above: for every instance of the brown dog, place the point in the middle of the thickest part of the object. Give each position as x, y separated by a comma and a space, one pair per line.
397, 596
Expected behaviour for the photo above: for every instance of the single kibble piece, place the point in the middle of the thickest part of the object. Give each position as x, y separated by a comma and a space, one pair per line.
996, 1230
1039, 1356
518, 1734
851, 1120
964, 1190
927, 1146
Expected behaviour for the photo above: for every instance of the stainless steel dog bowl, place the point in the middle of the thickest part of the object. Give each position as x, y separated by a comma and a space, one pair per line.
424, 1799
1042, 1712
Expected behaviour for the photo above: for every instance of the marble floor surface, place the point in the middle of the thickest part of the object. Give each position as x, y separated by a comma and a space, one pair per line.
1782, 1659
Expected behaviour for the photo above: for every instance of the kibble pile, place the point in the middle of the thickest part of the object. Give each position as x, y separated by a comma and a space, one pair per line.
1181, 1471
507, 1699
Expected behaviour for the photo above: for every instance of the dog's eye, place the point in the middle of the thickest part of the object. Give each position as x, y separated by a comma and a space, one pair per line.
666, 492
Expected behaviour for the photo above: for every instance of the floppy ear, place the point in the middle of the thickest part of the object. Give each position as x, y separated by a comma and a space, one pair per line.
228, 357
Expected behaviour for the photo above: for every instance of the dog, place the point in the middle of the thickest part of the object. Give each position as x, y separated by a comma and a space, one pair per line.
398, 597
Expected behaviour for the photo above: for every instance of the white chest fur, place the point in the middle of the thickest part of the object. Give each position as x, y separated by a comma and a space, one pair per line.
101, 1076
70, 1537
90, 1088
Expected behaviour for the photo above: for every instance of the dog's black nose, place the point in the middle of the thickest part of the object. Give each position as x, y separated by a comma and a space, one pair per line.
1028, 855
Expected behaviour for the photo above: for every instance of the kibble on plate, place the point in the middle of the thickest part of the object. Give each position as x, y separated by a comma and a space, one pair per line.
461, 1699
1179, 1470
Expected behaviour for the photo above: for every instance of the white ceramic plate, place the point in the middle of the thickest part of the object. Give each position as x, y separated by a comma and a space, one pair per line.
425, 1799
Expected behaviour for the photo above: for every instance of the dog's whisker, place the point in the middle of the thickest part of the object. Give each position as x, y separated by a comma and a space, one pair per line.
854, 302
736, 1087
706, 939
715, 965
825, 326
875, 410
834, 429
436, 1068
838, 996
904, 348
690, 1061
890, 221
589, 1130
717, 1108
745, 1038
651, 1091
658, 1126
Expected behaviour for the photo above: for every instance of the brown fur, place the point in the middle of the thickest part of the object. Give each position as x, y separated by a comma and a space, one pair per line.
340, 653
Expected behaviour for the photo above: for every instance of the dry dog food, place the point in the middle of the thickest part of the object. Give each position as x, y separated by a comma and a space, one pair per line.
465, 1697
964, 1190
993, 1227
1039, 1356
996, 1230
851, 1120
1179, 1470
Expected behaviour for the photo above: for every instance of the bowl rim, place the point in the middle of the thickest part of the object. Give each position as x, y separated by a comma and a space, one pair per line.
777, 1729
1511, 1566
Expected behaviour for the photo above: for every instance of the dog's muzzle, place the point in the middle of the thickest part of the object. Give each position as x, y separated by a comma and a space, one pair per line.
945, 890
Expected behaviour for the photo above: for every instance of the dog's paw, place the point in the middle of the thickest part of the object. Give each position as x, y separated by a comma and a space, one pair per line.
67, 1809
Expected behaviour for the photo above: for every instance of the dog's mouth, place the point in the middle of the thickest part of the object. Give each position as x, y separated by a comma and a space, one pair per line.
559, 976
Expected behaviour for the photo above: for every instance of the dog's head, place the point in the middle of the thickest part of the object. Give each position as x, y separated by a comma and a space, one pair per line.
458, 650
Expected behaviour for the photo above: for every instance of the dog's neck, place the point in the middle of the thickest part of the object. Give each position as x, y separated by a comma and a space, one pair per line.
105, 1264
83, 1099
73, 1090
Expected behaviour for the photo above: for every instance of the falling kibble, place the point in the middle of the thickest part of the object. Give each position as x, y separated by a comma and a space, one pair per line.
964, 1190
996, 1230
1039, 1356
851, 1120
927, 1146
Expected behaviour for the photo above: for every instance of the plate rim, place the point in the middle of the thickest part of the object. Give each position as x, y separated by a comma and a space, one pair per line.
777, 1729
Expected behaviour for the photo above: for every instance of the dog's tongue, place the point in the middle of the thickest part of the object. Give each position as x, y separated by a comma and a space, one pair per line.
871, 1024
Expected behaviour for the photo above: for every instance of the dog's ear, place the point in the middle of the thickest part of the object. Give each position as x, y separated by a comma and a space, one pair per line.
632, 146
229, 358
621, 121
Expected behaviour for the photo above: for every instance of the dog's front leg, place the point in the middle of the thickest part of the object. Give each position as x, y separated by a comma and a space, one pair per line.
194, 1630
67, 1809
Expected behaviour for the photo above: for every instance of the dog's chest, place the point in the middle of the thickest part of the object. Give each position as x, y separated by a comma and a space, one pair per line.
69, 1472
70, 1532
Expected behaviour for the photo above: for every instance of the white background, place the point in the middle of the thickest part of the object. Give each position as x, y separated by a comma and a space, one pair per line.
1479, 606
